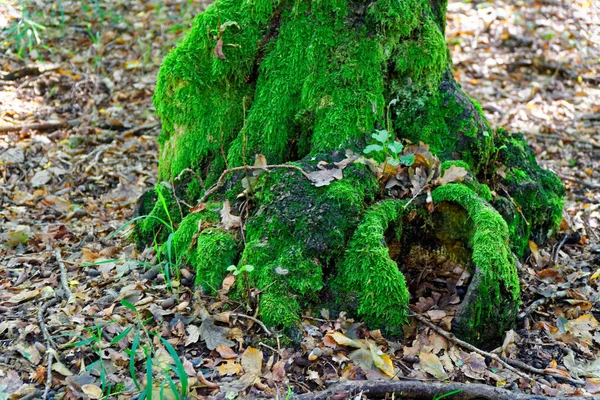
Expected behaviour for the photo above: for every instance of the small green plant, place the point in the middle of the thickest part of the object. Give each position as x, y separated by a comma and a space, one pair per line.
25, 32
387, 150
244, 268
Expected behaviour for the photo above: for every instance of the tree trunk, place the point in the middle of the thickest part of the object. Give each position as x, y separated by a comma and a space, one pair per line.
308, 83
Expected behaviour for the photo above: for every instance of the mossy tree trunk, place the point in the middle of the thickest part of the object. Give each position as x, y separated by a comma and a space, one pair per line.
301, 82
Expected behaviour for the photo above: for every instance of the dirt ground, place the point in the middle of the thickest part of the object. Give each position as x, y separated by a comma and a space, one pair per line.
84, 315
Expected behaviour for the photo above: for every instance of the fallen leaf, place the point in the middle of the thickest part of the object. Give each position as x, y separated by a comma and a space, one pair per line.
219, 49
431, 364
92, 391
230, 367
453, 174
324, 177
214, 335
343, 340
229, 221
226, 352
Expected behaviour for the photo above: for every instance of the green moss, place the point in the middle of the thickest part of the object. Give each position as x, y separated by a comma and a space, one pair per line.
297, 231
536, 195
369, 274
161, 219
496, 282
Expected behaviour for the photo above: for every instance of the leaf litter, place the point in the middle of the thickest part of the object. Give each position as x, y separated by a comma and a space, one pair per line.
534, 69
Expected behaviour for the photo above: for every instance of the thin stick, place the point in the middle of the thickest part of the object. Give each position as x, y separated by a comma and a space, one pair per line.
64, 282
591, 185
539, 302
48, 374
221, 180
40, 316
42, 126
259, 322
140, 128
564, 139
506, 363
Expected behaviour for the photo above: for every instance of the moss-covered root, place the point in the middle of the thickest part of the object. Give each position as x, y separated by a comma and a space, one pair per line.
205, 247
368, 273
492, 301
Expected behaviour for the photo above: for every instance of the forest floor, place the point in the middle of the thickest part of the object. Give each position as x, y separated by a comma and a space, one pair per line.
78, 146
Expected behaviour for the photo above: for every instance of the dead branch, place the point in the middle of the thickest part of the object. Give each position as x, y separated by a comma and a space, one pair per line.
138, 129
42, 126
511, 365
539, 302
591, 185
409, 389
259, 322
221, 180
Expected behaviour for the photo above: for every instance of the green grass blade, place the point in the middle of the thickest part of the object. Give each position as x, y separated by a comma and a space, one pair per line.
180, 371
121, 335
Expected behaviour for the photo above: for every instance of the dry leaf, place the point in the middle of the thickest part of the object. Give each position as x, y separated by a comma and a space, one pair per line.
219, 49
229, 221
226, 352
431, 364
453, 174
214, 335
92, 391
230, 367
343, 340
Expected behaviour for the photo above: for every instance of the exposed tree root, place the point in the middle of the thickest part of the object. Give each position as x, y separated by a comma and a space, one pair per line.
416, 390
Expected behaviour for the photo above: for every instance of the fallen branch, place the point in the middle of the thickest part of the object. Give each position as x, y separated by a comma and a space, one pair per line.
510, 365
409, 389
135, 131
42, 126
564, 139
591, 185
259, 322
539, 302
221, 182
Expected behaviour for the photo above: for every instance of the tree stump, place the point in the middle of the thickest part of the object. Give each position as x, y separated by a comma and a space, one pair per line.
308, 83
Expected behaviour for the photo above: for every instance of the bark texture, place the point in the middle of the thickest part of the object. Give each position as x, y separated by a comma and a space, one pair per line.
302, 82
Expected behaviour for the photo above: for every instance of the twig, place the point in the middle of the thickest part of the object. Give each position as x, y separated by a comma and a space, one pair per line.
64, 282
506, 363
539, 302
40, 316
414, 389
42, 126
557, 250
49, 354
141, 128
591, 185
468, 346
564, 139
221, 180
259, 322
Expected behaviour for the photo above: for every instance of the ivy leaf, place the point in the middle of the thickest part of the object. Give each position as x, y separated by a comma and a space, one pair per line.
372, 147
381, 136
408, 160
395, 147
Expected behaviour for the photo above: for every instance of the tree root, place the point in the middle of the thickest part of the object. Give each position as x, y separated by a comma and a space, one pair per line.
416, 390
511, 365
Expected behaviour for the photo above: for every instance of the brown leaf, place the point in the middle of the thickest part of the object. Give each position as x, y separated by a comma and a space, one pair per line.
453, 174
431, 364
230, 367
219, 49
229, 221
226, 352
252, 361
324, 177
